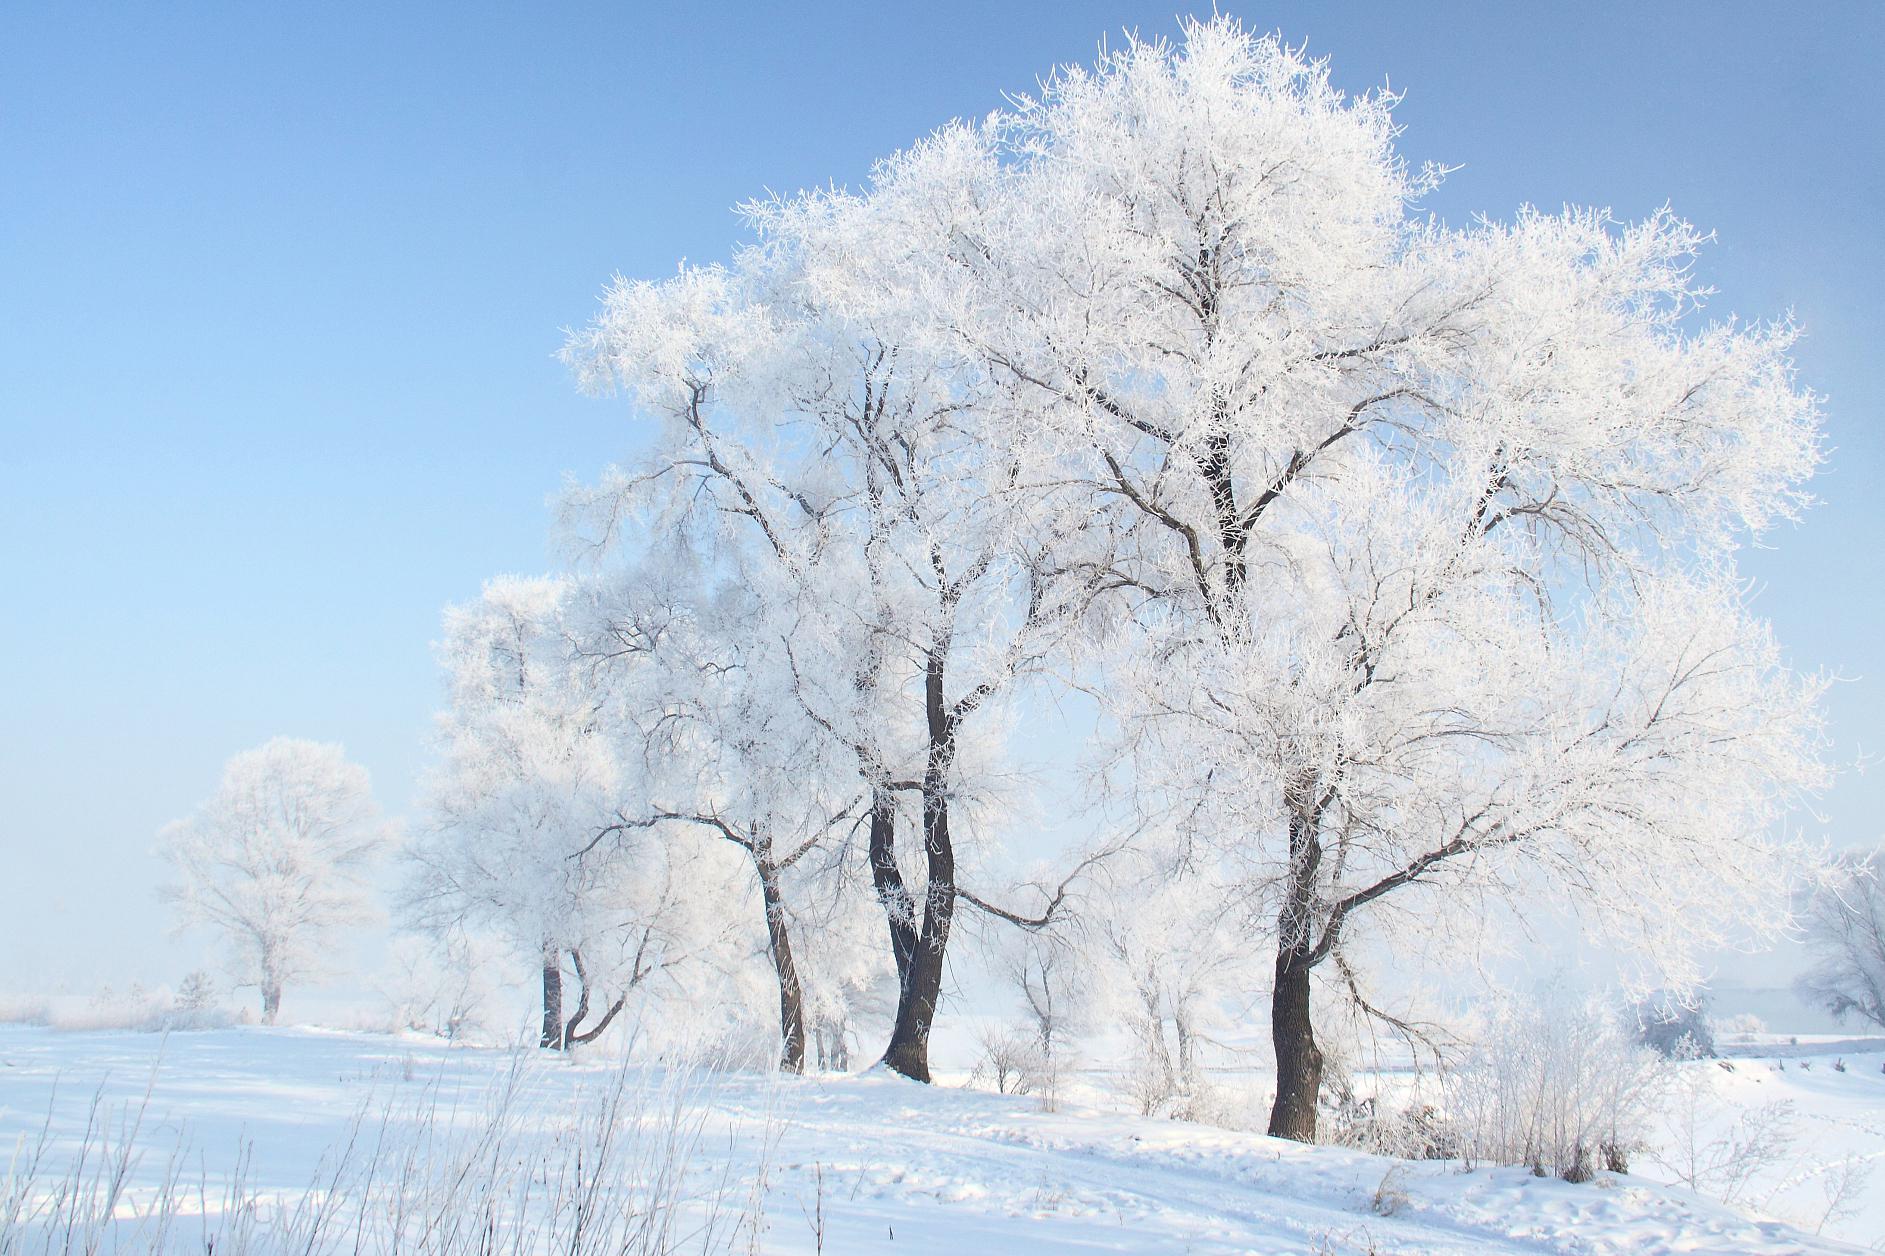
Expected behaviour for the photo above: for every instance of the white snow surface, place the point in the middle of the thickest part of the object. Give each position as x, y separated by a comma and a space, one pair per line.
894, 1166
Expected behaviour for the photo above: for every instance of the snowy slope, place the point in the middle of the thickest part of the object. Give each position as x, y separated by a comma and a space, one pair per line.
888, 1165
1823, 1096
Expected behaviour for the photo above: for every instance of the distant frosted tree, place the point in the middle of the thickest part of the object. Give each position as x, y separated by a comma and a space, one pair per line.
1845, 932
1172, 953
443, 985
197, 993
275, 861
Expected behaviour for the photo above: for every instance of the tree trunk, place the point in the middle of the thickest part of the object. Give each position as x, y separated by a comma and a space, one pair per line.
899, 909
1298, 1059
791, 996
553, 1034
1158, 1055
1189, 1074
569, 1037
271, 1000
596, 1030
1215, 465
572, 1036
908, 1052
834, 1052
892, 893
1292, 1032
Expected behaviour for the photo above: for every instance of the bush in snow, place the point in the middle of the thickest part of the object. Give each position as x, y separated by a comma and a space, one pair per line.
1010, 1059
25, 1010
1557, 1083
1742, 1025
1413, 1131
1717, 1149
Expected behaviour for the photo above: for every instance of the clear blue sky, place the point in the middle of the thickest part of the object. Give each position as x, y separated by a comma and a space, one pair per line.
280, 288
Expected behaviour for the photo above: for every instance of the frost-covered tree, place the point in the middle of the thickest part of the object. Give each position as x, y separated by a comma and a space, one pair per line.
1400, 556
1844, 923
1172, 960
275, 861
1675, 1025
728, 752
1427, 583
442, 984
820, 439
529, 782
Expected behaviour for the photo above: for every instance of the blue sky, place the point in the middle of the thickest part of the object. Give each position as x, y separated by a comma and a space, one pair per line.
280, 289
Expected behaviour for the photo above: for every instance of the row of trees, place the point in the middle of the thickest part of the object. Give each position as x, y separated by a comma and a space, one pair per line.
1389, 568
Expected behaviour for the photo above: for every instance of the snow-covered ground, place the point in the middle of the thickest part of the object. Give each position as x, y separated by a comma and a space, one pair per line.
873, 1163
1813, 1109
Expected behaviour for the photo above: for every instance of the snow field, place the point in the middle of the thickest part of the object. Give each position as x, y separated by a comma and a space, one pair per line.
738, 1161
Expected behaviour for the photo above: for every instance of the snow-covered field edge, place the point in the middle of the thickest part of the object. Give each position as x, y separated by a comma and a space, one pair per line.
272, 1140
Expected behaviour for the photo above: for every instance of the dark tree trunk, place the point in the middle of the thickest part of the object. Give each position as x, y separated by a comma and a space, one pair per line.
271, 1001
834, 1051
1215, 465
1298, 1059
596, 1030
791, 996
569, 1037
908, 1052
892, 893
899, 909
1292, 1032
553, 1032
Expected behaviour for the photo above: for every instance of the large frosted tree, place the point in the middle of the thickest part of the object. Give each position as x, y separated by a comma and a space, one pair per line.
818, 438
1401, 557
275, 861
1432, 531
